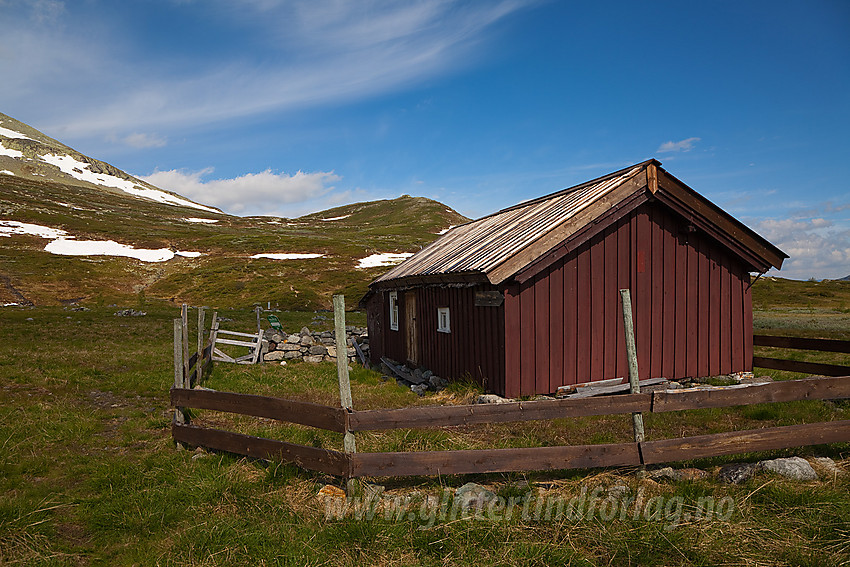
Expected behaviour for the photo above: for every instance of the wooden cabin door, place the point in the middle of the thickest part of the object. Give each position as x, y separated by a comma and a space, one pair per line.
410, 326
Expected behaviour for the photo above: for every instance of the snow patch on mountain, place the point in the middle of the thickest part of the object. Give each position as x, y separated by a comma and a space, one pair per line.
10, 227
205, 221
385, 259
4, 151
80, 170
13, 134
288, 256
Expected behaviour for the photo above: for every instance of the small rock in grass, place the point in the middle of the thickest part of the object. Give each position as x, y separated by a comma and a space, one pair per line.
795, 468
283, 363
330, 491
472, 495
491, 399
419, 389
736, 473
827, 466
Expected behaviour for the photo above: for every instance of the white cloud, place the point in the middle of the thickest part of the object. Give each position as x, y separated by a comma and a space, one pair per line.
817, 247
252, 193
685, 145
141, 140
296, 55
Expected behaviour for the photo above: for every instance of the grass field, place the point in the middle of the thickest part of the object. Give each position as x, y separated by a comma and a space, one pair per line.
89, 474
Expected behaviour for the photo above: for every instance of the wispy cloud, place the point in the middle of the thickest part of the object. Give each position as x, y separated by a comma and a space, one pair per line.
294, 55
685, 145
141, 140
263, 193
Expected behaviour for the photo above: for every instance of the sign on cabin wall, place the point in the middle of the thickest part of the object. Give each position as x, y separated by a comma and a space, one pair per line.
488, 298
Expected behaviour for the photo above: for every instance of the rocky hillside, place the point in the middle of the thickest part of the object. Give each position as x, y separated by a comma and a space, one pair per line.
73, 228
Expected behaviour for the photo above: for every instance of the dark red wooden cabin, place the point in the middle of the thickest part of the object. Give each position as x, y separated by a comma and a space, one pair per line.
526, 300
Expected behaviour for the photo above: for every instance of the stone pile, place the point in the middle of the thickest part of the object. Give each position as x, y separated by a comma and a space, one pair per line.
310, 346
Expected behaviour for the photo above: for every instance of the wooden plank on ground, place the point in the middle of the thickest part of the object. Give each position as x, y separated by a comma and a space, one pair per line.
823, 345
800, 366
304, 413
311, 458
494, 460
701, 446
441, 416
787, 391
359, 353
399, 372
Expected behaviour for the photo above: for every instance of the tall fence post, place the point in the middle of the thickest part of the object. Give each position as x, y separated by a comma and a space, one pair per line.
631, 352
348, 442
199, 365
184, 317
179, 416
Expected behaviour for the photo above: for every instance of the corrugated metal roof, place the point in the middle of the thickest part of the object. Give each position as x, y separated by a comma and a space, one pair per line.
484, 244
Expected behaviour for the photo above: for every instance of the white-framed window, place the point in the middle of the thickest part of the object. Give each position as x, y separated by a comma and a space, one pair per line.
443, 320
394, 310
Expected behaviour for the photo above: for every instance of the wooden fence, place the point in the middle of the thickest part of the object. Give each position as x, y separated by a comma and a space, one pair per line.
799, 343
353, 465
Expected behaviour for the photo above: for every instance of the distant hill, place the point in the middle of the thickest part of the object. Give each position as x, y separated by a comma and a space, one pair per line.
208, 254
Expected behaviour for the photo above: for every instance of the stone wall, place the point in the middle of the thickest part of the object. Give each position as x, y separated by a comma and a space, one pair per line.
312, 346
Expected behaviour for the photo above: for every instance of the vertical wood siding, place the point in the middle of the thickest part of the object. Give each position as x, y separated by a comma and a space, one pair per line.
474, 348
690, 295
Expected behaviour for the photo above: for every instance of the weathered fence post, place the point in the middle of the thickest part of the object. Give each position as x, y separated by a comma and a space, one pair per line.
179, 416
634, 379
184, 316
348, 442
199, 365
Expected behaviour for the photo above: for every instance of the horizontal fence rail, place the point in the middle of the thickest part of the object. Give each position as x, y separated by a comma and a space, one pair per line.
512, 459
292, 411
801, 343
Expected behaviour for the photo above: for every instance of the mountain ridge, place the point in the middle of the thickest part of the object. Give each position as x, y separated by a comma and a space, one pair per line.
210, 257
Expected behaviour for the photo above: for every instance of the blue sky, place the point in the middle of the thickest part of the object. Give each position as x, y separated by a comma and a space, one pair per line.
283, 108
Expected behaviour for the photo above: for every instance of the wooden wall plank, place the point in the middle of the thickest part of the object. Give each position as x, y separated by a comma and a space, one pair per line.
322, 460
725, 315
748, 324
657, 307
704, 318
624, 281
596, 321
612, 303
682, 320
714, 329
556, 327
692, 293
571, 314
642, 299
513, 342
738, 328
527, 324
540, 345
584, 314
669, 354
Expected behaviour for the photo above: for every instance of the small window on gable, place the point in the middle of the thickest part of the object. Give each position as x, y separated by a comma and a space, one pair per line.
394, 310
443, 320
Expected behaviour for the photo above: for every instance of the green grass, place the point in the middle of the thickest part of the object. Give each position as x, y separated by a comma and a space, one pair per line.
89, 474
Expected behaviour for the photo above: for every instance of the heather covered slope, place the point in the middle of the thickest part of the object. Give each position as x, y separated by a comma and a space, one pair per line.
73, 228
224, 273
